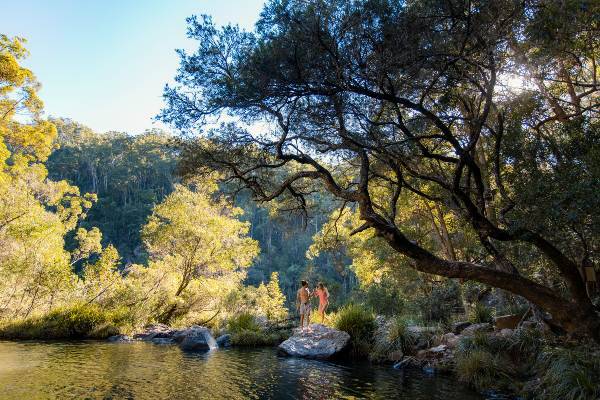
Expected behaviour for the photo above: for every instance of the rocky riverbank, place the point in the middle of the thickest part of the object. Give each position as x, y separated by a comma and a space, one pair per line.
196, 338
507, 356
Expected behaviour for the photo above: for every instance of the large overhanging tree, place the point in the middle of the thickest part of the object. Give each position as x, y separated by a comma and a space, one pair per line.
361, 98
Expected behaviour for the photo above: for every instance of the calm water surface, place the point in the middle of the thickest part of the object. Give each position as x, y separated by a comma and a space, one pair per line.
97, 370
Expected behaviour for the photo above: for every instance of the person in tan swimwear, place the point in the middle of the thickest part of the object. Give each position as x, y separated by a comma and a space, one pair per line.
303, 304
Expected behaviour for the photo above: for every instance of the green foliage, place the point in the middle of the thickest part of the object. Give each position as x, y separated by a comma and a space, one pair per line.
494, 361
251, 338
270, 301
359, 323
129, 174
266, 301
245, 331
510, 187
481, 369
483, 341
481, 313
242, 322
399, 336
35, 212
527, 343
385, 298
77, 321
196, 238
438, 301
390, 337
570, 374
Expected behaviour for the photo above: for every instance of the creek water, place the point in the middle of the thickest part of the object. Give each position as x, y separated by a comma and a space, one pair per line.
99, 370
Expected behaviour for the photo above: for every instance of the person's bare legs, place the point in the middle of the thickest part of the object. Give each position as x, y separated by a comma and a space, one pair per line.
302, 322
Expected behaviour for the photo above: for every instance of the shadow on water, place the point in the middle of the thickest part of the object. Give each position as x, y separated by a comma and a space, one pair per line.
96, 370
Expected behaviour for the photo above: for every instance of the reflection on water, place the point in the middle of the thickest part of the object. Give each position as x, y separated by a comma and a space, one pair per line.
95, 370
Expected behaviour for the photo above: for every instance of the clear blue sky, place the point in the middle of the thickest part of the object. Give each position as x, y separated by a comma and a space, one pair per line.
104, 63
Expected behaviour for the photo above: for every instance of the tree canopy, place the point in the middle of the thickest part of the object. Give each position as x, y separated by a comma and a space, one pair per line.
384, 104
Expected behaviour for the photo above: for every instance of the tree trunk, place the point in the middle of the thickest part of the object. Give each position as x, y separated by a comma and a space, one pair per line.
574, 316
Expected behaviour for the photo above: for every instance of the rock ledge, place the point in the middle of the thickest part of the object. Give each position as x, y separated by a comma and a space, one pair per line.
317, 341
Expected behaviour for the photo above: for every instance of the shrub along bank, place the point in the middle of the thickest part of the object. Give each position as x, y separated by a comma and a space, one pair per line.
78, 321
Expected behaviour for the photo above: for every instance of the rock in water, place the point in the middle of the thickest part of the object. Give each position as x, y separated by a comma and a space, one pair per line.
317, 341
197, 338
162, 340
224, 340
120, 339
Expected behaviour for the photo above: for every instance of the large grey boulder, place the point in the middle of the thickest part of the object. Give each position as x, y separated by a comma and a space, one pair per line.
196, 338
316, 341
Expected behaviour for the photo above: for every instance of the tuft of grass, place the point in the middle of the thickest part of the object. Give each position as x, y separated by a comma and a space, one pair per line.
391, 337
399, 336
481, 369
359, 323
244, 321
570, 374
246, 332
481, 313
78, 321
249, 338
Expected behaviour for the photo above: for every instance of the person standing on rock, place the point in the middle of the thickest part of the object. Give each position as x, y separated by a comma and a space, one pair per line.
323, 294
303, 304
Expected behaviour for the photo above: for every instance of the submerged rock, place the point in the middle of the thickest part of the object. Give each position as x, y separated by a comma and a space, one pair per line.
193, 338
197, 338
120, 339
317, 341
162, 340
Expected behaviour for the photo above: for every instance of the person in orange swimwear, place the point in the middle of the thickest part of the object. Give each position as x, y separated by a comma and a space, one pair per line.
323, 294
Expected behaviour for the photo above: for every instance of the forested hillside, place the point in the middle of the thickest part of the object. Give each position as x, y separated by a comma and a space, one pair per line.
130, 174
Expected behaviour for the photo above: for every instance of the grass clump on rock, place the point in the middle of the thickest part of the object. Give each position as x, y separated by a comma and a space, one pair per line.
480, 369
359, 323
393, 337
78, 321
245, 331
481, 313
